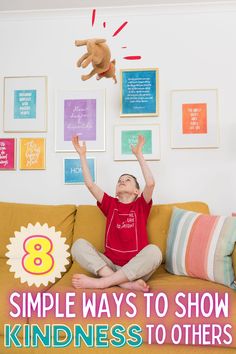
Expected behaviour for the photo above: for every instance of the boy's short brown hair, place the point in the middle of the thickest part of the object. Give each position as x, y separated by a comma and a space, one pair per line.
135, 179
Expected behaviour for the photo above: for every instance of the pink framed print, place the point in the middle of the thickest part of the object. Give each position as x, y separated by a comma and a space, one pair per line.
7, 154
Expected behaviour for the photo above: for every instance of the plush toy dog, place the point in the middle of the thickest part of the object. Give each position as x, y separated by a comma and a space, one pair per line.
98, 53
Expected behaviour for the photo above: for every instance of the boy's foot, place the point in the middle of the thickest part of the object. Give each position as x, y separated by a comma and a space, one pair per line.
139, 285
82, 281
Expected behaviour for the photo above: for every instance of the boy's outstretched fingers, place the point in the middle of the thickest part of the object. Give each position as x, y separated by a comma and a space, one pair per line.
137, 149
80, 148
75, 140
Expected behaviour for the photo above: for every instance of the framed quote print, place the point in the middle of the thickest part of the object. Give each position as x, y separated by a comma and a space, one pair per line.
32, 154
127, 135
139, 95
73, 170
80, 113
7, 154
25, 104
194, 119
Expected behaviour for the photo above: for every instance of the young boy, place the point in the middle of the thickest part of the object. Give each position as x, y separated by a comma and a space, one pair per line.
128, 260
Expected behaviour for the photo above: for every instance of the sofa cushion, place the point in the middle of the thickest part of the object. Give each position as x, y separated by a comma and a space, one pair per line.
159, 220
14, 215
90, 223
201, 246
234, 258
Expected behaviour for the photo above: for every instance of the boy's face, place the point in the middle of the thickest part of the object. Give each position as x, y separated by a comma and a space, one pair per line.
127, 184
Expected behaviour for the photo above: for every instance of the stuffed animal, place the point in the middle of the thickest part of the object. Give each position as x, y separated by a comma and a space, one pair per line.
98, 53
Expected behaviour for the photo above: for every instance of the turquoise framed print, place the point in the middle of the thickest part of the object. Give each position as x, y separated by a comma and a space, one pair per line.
139, 94
73, 170
25, 104
127, 135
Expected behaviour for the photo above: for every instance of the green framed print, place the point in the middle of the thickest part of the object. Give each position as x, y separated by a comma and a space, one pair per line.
127, 135
139, 94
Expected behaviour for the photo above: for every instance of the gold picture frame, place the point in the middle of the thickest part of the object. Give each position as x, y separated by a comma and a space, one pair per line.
32, 153
139, 92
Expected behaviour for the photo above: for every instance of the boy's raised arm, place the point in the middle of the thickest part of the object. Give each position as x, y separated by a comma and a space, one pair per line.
92, 187
147, 174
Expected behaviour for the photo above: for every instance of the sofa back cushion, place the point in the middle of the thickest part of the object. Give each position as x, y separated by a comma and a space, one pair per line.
90, 223
14, 215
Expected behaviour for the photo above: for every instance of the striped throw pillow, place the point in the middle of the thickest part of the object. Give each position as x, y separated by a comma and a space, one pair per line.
201, 246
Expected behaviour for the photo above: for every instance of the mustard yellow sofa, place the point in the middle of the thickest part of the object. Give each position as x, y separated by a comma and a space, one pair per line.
119, 331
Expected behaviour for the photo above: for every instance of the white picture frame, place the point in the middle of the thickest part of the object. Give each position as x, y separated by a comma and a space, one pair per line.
72, 170
194, 119
25, 104
126, 135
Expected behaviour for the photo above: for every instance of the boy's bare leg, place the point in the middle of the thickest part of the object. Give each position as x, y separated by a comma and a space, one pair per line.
108, 278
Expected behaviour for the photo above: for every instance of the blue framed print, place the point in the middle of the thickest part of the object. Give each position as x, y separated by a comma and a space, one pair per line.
25, 104
139, 92
73, 170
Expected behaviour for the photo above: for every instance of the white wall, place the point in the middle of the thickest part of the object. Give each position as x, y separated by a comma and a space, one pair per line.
194, 48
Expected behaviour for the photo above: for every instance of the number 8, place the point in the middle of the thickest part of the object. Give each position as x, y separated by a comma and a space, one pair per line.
38, 259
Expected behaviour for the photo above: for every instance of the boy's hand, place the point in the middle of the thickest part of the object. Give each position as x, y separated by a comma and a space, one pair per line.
81, 149
137, 150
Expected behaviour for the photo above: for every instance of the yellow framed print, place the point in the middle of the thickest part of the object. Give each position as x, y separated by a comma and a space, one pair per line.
32, 154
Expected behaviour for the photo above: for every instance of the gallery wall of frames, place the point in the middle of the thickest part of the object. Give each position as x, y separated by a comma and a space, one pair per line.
82, 114
78, 113
172, 90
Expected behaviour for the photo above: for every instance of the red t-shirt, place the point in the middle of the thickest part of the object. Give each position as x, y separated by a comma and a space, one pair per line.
126, 232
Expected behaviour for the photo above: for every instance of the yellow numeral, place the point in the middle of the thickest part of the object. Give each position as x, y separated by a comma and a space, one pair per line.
38, 259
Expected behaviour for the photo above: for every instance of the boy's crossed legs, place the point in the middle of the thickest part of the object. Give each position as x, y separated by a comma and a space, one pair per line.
133, 275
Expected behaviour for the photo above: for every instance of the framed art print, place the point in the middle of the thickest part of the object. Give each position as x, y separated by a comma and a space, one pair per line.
32, 154
25, 104
139, 92
194, 119
127, 135
73, 170
80, 113
7, 154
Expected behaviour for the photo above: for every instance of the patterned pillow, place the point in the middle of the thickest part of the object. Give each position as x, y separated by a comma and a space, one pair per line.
201, 246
